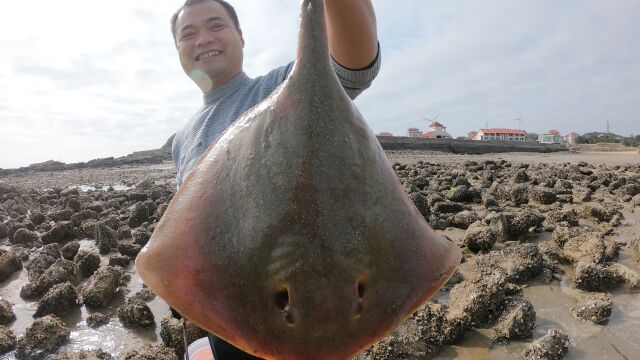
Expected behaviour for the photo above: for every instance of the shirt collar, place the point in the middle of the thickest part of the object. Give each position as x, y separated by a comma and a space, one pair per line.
225, 89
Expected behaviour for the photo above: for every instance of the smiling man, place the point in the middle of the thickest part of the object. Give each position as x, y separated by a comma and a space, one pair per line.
210, 45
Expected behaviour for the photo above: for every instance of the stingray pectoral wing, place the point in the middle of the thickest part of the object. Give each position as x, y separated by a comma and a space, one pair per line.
292, 237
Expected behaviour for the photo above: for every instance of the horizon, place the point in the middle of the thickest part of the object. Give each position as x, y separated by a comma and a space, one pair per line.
77, 88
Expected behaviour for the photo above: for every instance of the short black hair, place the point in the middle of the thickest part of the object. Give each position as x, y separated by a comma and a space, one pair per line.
226, 5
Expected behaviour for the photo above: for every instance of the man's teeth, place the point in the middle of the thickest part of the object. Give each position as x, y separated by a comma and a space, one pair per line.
210, 53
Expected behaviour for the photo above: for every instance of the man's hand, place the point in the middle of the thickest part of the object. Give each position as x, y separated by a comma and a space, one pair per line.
351, 27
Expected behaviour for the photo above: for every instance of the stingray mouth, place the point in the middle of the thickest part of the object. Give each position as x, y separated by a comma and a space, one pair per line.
207, 54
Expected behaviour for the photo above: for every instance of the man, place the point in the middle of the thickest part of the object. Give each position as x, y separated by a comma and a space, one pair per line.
210, 45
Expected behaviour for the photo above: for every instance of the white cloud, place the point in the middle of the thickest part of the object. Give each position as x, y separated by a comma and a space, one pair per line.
95, 79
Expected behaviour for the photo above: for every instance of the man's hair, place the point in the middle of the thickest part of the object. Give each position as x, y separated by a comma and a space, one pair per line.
226, 5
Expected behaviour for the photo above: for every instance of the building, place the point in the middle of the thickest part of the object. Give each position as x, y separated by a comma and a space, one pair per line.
436, 131
531, 138
414, 132
550, 137
385, 133
501, 134
571, 138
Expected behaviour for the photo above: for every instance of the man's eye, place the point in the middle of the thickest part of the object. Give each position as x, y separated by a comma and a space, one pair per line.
186, 36
217, 27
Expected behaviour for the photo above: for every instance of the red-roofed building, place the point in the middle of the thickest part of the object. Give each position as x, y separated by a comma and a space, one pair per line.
500, 134
385, 133
414, 132
571, 138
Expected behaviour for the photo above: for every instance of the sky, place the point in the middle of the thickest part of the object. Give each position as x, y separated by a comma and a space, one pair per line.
86, 79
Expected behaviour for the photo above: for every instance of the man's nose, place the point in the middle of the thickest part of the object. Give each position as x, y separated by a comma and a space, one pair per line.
205, 38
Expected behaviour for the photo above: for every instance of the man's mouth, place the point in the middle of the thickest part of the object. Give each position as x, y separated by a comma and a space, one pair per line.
207, 54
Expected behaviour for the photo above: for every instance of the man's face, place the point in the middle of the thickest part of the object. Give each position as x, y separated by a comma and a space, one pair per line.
209, 45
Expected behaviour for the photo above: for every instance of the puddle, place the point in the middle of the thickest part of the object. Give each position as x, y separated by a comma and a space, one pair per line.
116, 187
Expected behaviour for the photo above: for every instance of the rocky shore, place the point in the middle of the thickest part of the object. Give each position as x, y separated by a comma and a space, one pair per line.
67, 245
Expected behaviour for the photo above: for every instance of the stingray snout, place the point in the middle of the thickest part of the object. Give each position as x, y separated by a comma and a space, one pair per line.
319, 306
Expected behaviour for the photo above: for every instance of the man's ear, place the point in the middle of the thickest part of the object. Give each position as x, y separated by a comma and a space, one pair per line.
242, 39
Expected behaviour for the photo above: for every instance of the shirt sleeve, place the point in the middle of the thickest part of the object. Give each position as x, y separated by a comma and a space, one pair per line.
355, 81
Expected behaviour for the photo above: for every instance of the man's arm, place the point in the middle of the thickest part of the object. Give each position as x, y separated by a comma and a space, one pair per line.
351, 28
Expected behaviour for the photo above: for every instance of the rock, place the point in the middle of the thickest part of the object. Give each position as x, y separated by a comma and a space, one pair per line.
141, 236
9, 264
24, 236
464, 219
516, 322
604, 277
61, 271
106, 238
44, 337
601, 213
172, 334
150, 352
136, 313
124, 232
139, 214
635, 201
520, 177
144, 294
129, 249
37, 218
58, 300
59, 233
84, 355
421, 203
567, 218
6, 312
61, 215
634, 245
119, 260
4, 231
7, 340
519, 194
499, 227
83, 215
42, 261
88, 262
543, 196
477, 300
584, 246
447, 207
70, 250
518, 263
102, 286
553, 346
96, 320
523, 221
464, 193
479, 237
594, 307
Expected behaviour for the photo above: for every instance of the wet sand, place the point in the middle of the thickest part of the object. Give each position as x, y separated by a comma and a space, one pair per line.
618, 338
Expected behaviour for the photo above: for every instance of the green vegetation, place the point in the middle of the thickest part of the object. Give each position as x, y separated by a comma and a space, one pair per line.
598, 137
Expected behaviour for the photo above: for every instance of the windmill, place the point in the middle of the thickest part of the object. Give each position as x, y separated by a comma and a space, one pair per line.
434, 118
519, 121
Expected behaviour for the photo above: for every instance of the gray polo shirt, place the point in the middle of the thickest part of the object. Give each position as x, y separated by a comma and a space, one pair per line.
226, 103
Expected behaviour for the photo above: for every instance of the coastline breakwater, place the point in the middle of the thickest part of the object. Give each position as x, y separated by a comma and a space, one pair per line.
465, 146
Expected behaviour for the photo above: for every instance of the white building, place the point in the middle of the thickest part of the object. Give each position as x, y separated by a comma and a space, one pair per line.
414, 132
501, 134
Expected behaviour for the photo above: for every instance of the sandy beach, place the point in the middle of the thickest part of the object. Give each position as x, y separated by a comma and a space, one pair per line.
543, 236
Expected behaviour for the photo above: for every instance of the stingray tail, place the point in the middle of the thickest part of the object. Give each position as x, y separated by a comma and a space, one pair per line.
313, 47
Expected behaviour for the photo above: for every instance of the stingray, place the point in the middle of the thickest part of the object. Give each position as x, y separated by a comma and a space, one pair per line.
292, 237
